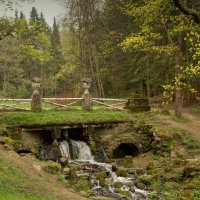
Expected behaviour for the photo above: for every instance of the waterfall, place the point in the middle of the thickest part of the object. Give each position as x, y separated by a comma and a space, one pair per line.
64, 148
80, 150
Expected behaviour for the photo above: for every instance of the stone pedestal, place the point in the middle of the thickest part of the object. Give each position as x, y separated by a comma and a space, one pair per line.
36, 103
87, 99
87, 102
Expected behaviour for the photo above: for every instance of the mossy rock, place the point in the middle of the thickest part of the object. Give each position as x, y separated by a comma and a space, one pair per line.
103, 183
164, 134
123, 193
117, 184
150, 166
170, 185
122, 172
101, 175
128, 162
147, 179
6, 140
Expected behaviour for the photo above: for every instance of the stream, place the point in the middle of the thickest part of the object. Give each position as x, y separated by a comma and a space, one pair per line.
78, 152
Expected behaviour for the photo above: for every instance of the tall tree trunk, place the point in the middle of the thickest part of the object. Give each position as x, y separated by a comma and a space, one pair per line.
178, 89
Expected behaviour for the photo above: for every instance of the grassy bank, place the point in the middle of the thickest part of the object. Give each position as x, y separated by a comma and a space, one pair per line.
14, 185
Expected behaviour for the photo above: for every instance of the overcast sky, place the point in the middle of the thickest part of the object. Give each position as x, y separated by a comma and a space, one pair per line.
50, 8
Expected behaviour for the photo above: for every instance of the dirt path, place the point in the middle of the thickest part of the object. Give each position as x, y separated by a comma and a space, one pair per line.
49, 184
191, 124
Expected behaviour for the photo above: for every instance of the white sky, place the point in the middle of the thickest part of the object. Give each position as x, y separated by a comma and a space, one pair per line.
50, 8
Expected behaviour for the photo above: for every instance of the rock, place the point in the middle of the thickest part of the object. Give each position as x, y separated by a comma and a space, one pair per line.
7, 147
121, 172
150, 166
147, 179
140, 171
66, 170
117, 184
132, 176
154, 144
114, 167
132, 189
171, 185
132, 171
140, 186
37, 167
22, 154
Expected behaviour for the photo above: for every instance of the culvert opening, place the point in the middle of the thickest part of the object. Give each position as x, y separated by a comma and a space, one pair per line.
76, 134
125, 149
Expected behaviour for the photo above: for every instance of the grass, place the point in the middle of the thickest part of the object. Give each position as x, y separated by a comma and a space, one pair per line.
64, 117
14, 185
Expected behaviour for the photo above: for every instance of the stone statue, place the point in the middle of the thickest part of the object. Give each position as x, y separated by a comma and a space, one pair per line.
36, 103
87, 99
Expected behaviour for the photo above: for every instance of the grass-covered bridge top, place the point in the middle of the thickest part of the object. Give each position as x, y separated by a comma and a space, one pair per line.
65, 117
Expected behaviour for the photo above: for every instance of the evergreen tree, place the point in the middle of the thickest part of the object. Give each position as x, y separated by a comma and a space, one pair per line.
55, 35
34, 14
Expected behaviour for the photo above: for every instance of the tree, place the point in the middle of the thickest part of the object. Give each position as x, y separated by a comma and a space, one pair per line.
166, 39
188, 11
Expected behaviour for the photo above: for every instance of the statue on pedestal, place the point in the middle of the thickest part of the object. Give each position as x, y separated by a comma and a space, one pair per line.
36, 103
87, 99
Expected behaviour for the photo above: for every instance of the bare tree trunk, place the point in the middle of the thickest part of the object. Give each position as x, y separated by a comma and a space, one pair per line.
178, 89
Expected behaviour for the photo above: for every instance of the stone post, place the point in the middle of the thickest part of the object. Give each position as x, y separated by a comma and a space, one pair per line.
87, 99
36, 103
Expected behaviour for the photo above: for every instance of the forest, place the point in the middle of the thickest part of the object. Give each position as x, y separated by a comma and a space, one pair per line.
150, 48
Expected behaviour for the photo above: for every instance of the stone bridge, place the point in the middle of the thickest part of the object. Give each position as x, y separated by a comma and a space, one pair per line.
116, 140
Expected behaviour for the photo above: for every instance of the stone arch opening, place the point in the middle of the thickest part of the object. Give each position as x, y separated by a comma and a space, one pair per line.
125, 149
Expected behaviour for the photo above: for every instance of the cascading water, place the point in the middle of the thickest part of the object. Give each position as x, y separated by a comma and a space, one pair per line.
80, 150
64, 148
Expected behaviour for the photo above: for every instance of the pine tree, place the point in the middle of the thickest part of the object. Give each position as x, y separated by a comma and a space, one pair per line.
34, 14
16, 14
44, 24
22, 16
55, 35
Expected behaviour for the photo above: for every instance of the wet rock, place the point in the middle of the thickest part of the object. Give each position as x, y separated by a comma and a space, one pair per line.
132, 189
140, 185
106, 193
132, 176
114, 167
